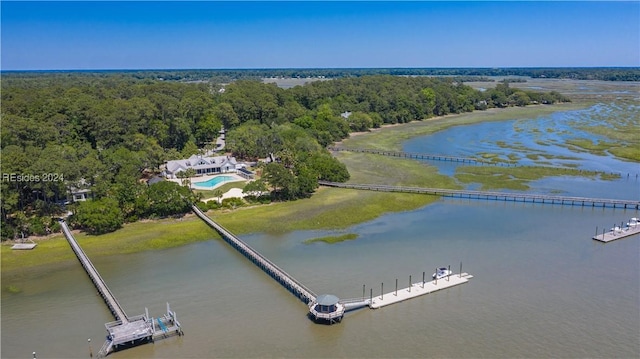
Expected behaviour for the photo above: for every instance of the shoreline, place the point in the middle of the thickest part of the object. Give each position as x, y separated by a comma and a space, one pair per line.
128, 240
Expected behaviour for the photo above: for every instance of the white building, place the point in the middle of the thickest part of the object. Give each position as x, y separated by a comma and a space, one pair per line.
202, 165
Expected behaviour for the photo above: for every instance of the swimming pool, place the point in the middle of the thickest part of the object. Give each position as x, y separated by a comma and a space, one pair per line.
212, 182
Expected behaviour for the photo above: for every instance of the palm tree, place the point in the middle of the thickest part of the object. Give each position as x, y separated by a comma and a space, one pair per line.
187, 174
218, 194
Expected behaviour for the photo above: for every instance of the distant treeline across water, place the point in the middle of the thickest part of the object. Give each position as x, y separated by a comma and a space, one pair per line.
462, 74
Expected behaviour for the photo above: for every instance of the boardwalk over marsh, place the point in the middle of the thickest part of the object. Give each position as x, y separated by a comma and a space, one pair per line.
286, 280
418, 156
500, 196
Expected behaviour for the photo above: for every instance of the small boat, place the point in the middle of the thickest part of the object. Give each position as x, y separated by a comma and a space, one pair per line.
441, 273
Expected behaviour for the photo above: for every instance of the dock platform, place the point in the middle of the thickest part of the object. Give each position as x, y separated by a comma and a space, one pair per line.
617, 234
418, 289
125, 331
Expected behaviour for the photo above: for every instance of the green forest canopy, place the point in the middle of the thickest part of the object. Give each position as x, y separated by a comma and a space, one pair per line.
108, 132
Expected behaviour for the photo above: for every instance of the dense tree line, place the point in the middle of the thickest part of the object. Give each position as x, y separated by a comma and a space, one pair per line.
460, 74
109, 132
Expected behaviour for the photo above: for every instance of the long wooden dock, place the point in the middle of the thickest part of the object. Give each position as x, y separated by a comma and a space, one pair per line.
309, 297
125, 331
419, 156
288, 281
101, 286
497, 196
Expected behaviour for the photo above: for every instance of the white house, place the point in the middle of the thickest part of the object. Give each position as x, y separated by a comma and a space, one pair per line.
202, 165
79, 192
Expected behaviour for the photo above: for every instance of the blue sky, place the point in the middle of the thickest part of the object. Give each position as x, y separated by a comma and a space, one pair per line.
185, 35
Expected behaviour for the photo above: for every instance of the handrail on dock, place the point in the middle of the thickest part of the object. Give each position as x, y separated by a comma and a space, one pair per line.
507, 196
288, 281
420, 156
93, 273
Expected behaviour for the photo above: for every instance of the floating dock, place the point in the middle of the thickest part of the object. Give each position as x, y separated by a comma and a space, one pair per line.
125, 331
616, 232
23, 246
418, 289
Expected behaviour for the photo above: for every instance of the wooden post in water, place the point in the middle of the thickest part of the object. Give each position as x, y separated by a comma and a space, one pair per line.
396, 287
460, 269
596, 231
363, 291
371, 296
422, 280
90, 349
381, 290
34, 355
436, 276
409, 283
449, 272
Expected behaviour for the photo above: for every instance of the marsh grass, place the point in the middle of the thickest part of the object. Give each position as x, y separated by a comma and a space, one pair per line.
391, 137
333, 239
133, 237
620, 126
517, 178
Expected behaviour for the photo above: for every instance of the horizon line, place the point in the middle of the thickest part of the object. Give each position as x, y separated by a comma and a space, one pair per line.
320, 68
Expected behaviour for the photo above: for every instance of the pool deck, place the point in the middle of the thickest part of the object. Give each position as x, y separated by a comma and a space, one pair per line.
194, 180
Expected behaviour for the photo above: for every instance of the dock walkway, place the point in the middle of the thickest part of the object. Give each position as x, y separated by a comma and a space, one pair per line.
499, 196
419, 156
289, 282
105, 292
125, 331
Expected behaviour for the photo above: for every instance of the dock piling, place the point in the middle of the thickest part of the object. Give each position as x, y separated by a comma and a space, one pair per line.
409, 282
90, 349
423, 280
396, 287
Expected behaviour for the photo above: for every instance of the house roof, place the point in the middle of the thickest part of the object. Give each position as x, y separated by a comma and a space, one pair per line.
199, 162
154, 179
327, 299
